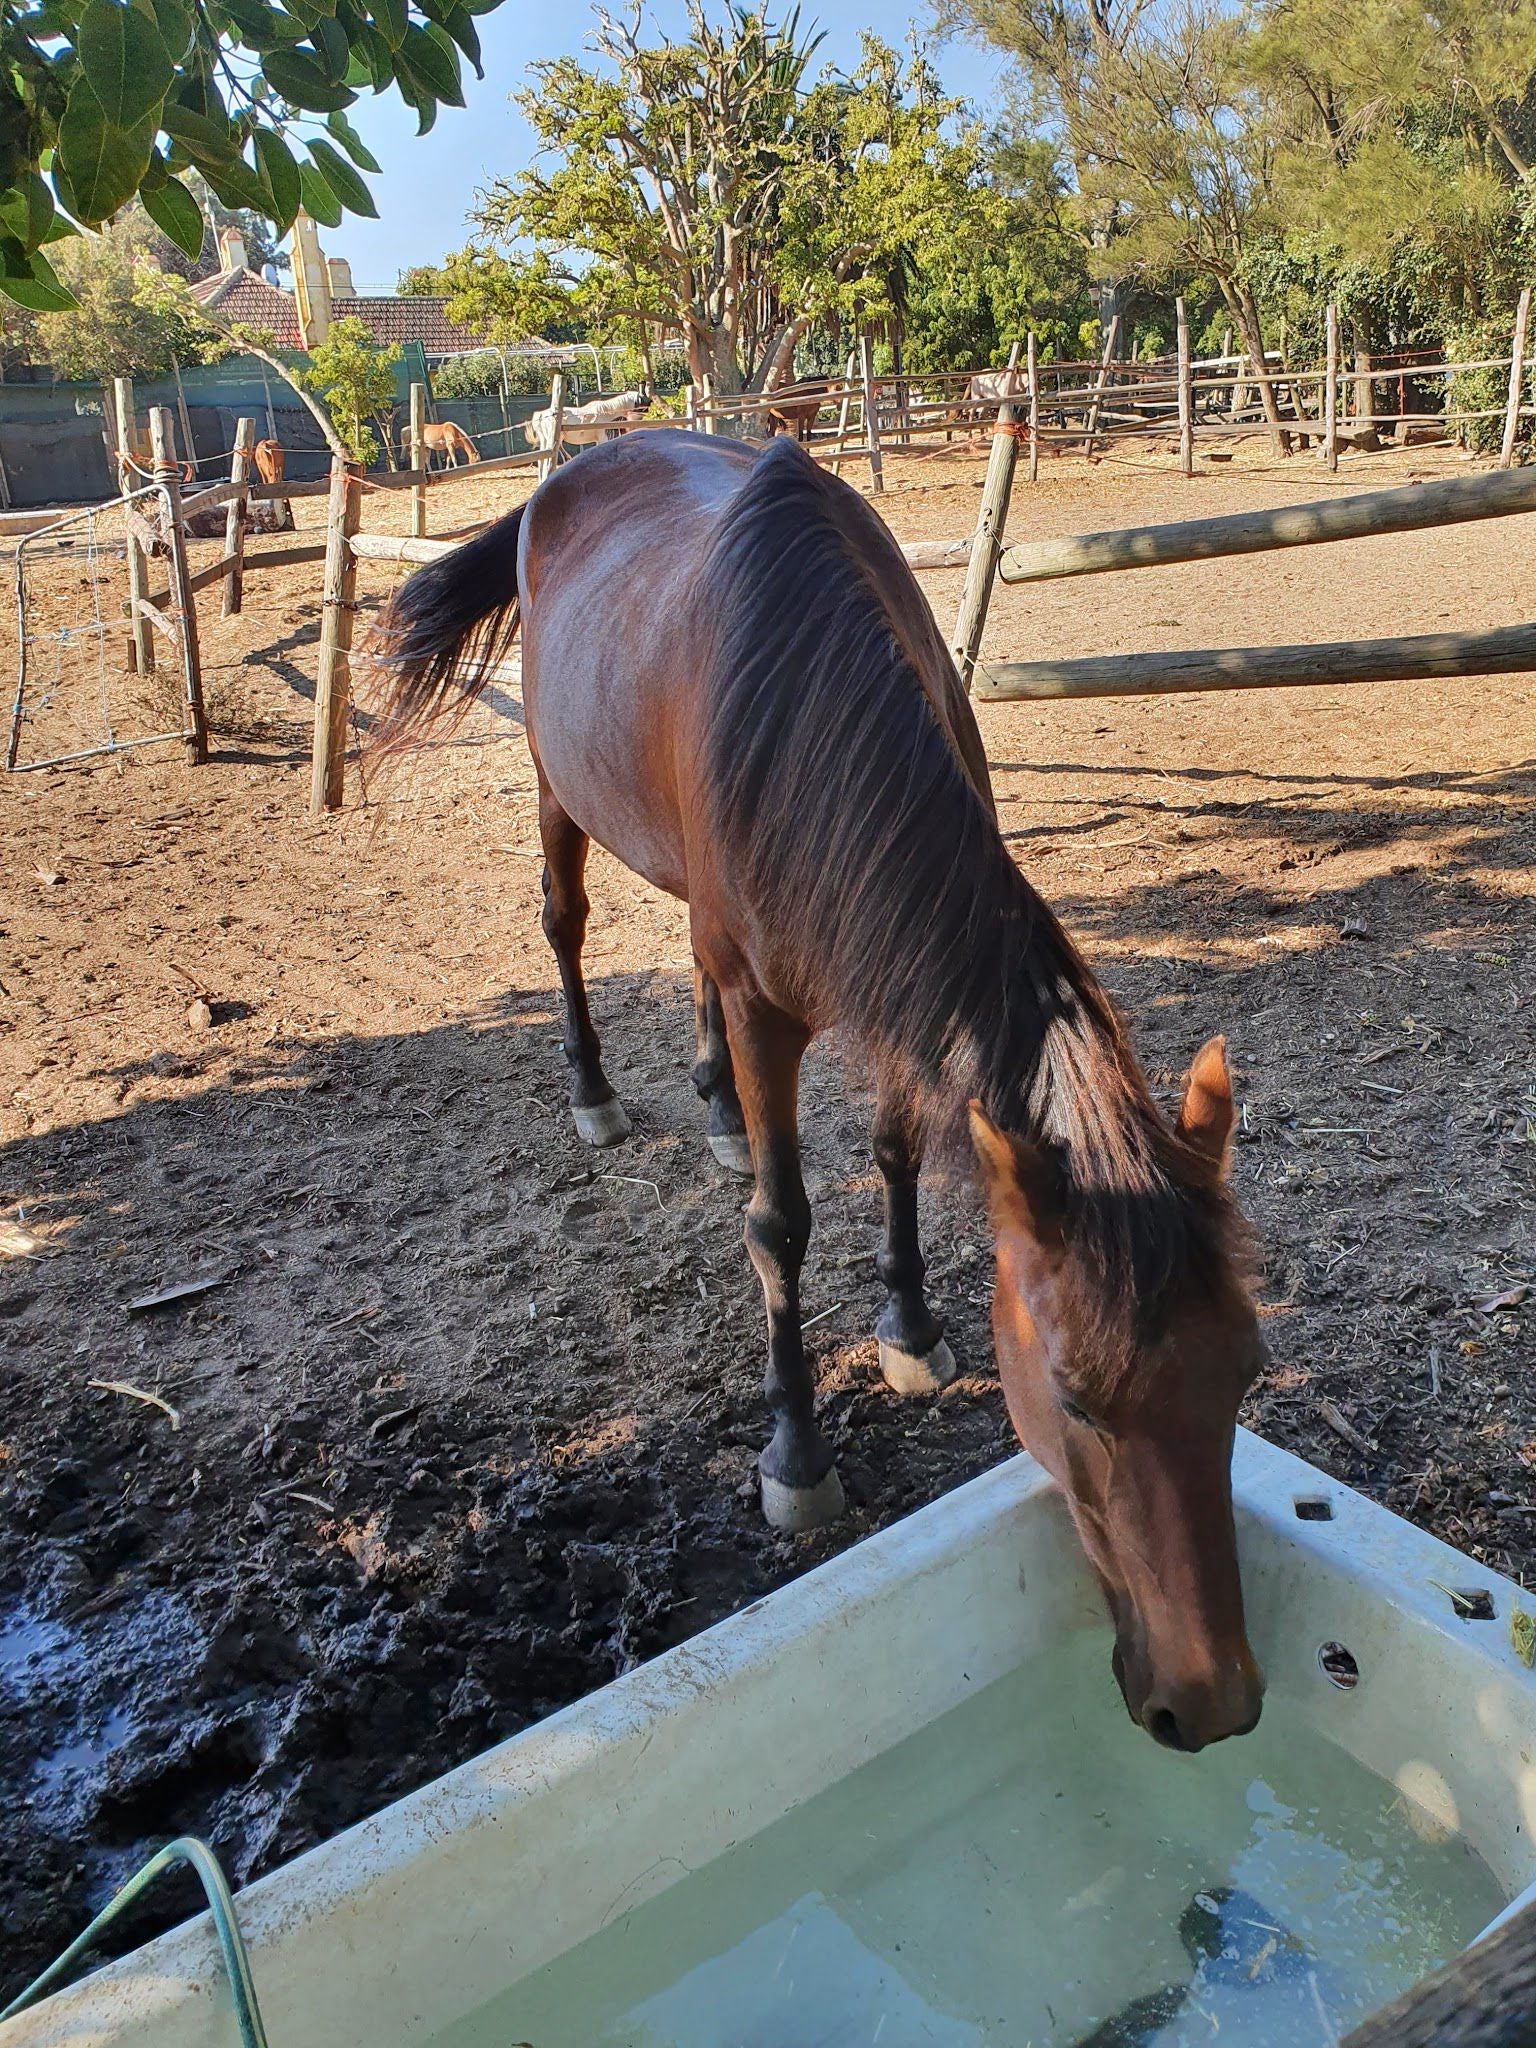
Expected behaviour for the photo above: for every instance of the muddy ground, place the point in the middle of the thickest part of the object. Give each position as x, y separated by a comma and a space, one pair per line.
465, 1420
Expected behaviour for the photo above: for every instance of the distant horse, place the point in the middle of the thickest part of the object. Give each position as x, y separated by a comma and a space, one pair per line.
270, 515
794, 407
447, 438
582, 426
731, 680
988, 389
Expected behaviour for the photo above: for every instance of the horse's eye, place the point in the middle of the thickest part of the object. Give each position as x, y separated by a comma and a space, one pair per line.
1076, 1414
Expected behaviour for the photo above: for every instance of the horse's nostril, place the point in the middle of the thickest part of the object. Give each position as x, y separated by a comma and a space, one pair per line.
1162, 1725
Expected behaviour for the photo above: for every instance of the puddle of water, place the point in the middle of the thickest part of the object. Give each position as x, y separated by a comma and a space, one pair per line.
85, 1753
1031, 1871
28, 1644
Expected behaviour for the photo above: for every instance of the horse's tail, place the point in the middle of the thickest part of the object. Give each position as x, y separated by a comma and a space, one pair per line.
443, 634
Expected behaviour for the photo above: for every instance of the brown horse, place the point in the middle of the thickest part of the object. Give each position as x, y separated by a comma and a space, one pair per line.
448, 438
731, 680
795, 407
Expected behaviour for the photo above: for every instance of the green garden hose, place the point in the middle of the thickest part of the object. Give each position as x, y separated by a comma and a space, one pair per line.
185, 1849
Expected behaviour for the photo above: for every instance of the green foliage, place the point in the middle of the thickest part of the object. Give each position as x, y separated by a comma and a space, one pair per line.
121, 321
476, 376
104, 99
1485, 390
1271, 158
1028, 272
708, 187
356, 380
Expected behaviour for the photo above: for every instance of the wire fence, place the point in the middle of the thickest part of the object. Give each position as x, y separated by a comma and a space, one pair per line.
78, 695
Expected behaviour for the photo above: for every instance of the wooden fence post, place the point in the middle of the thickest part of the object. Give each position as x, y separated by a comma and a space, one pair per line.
1331, 391
1516, 380
235, 518
188, 452
418, 459
162, 441
1101, 381
1186, 395
981, 570
143, 641
333, 679
871, 413
844, 412
556, 425
1034, 409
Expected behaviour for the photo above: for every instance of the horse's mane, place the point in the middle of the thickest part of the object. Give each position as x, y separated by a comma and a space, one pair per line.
867, 854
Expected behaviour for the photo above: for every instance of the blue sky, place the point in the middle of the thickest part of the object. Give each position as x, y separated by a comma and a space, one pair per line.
429, 181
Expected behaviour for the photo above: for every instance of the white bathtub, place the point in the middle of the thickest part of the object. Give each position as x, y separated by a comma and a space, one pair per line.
419, 1916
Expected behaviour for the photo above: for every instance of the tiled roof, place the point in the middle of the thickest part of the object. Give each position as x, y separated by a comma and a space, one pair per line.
241, 296
244, 297
423, 320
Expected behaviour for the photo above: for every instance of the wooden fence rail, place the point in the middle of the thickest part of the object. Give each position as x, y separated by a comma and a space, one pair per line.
1406, 509
1507, 650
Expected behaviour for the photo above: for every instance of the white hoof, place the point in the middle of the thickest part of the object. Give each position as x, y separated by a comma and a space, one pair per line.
604, 1124
733, 1153
795, 1509
905, 1374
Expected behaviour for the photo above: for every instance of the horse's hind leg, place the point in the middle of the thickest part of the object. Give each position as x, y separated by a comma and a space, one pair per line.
715, 1079
913, 1354
801, 1489
598, 1113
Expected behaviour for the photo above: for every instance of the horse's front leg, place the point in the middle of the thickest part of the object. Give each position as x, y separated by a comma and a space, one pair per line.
914, 1357
801, 1489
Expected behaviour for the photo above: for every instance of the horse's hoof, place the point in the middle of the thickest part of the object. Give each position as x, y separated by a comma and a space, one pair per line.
732, 1151
605, 1123
906, 1374
795, 1509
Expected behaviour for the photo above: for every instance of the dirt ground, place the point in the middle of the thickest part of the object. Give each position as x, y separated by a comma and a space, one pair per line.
464, 1421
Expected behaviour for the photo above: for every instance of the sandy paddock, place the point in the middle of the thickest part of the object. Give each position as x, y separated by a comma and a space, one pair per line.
468, 1420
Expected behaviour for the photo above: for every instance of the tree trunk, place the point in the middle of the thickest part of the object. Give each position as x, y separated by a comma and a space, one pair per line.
724, 369
778, 364
1246, 313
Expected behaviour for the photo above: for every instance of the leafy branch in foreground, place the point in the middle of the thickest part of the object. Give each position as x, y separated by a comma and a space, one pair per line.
102, 99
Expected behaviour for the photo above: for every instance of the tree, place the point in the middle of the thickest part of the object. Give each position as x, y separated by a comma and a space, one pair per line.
1030, 272
1169, 135
703, 187
100, 100
1407, 137
1065, 53
884, 185
356, 379
663, 170
119, 324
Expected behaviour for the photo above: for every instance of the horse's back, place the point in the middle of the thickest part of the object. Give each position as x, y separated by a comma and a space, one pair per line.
619, 620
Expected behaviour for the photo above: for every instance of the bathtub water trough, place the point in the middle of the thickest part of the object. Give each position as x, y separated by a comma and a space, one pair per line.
899, 1802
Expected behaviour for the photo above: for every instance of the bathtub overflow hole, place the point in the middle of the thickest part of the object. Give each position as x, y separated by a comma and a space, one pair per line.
1313, 1510
1338, 1666
1472, 1603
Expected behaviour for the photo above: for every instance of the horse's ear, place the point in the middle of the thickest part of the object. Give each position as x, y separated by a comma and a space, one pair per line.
1018, 1180
1207, 1113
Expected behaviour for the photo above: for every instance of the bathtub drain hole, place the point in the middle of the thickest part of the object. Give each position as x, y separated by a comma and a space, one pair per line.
1338, 1666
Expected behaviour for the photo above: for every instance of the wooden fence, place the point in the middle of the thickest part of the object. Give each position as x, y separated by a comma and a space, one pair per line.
1452, 501
1090, 405
171, 611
